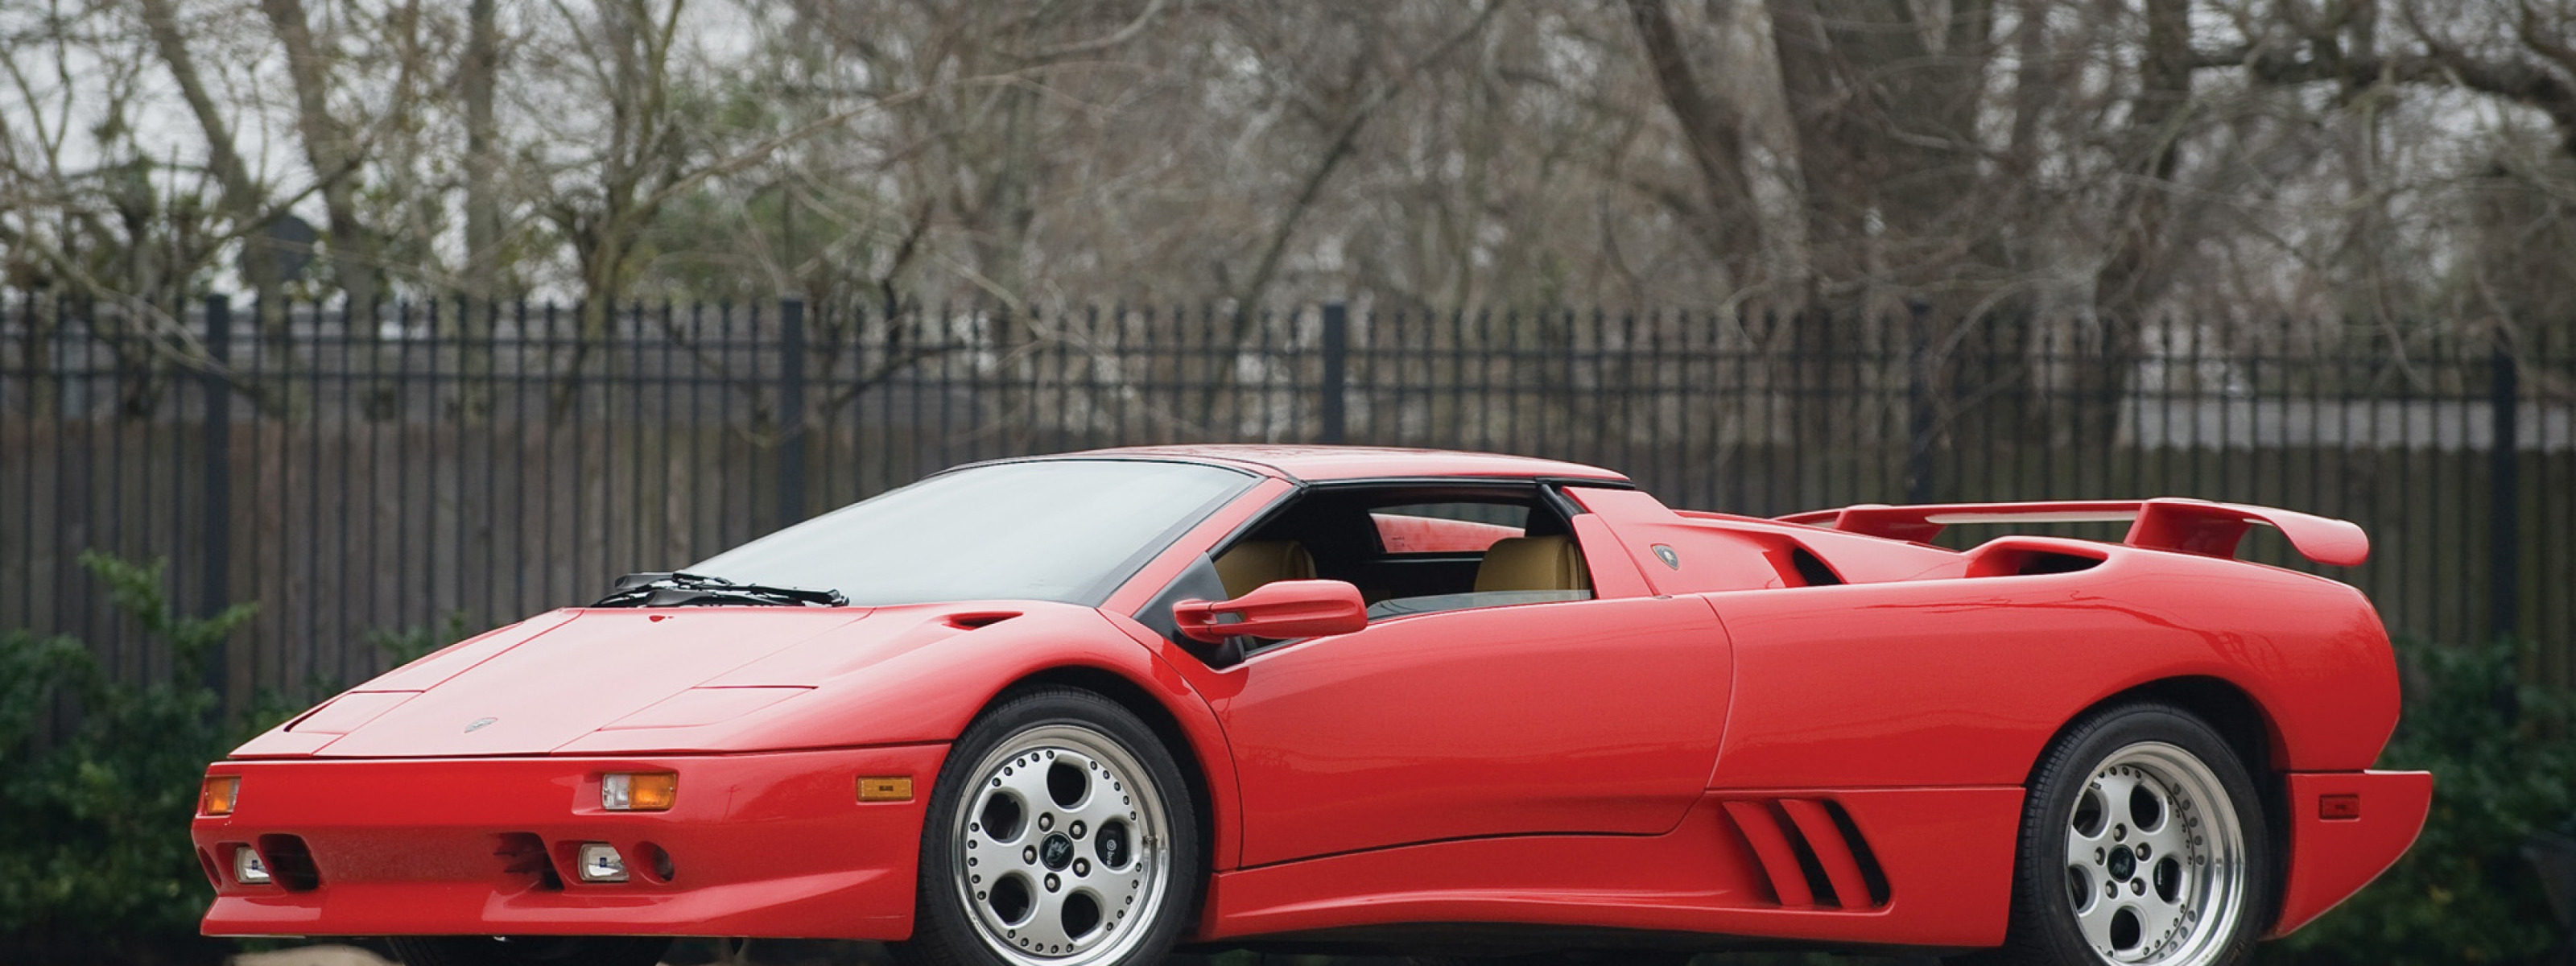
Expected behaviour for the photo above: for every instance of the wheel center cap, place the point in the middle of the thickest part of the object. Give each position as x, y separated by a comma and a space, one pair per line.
2124, 863
1056, 851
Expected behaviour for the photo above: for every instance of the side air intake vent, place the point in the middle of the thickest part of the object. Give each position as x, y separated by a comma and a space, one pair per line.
1812, 853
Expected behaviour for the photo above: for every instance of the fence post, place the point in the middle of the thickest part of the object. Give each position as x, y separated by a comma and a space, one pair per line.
1337, 351
791, 412
2504, 496
1918, 403
215, 378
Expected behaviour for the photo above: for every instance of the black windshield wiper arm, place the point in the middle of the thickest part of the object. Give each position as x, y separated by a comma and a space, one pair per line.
682, 589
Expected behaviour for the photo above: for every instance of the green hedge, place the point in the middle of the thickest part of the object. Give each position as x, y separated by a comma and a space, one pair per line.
95, 860
93, 824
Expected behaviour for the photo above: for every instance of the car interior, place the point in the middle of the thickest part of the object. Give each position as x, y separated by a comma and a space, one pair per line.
1417, 550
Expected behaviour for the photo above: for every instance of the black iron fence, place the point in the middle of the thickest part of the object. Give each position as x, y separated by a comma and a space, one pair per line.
436, 467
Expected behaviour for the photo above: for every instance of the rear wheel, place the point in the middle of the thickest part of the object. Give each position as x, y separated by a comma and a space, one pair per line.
529, 950
2142, 842
1060, 834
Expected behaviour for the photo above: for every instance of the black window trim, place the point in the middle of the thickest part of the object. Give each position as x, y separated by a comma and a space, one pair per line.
1548, 490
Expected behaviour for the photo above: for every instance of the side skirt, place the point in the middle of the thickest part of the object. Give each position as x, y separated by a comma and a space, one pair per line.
1892, 867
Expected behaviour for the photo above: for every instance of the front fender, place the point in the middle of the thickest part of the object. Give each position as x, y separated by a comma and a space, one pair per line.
928, 685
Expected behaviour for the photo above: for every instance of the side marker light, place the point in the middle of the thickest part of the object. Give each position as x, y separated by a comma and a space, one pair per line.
885, 789
639, 791
217, 795
2339, 808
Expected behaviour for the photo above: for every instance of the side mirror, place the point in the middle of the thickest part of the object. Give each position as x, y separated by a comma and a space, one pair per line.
1279, 609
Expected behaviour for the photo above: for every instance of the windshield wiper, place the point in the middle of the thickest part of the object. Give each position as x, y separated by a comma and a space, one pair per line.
682, 590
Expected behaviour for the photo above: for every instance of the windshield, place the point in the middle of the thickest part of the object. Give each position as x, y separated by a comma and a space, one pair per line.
1061, 530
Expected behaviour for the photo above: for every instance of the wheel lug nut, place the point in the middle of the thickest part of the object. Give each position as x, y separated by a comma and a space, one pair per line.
2142, 850
1077, 828
1029, 854
1046, 822
2136, 887
2098, 856
2119, 833
1052, 882
1082, 866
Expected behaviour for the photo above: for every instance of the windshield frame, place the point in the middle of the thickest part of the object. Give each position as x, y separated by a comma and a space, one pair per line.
1094, 594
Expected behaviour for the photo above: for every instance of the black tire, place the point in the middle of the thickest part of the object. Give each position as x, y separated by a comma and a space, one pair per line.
529, 950
2169, 762
960, 916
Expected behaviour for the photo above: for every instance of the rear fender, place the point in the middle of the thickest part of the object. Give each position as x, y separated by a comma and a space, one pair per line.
1965, 680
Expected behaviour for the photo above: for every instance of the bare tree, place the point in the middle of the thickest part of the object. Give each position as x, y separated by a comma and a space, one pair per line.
244, 200
2106, 163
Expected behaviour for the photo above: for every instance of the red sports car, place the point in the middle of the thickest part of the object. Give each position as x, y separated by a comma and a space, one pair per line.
1076, 710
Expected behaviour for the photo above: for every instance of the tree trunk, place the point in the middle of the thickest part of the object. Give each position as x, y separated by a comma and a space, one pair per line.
482, 158
357, 261
1710, 128
1889, 163
2134, 271
1832, 190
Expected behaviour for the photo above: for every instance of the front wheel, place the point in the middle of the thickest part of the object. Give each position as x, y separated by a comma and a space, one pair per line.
2142, 842
1060, 833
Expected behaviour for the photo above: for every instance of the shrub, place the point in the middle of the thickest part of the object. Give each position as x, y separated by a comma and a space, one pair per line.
93, 843
95, 861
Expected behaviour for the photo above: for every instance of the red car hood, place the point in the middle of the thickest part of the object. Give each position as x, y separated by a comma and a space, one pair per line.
536, 686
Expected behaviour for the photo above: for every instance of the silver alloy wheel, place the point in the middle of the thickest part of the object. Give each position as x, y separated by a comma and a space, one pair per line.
1062, 854
2155, 859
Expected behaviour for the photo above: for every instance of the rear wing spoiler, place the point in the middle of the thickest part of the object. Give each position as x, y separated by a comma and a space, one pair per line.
2164, 523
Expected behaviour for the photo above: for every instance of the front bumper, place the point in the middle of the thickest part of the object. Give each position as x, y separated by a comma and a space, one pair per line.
770, 844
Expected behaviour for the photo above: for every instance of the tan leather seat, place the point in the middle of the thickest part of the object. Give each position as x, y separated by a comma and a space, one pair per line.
1253, 563
1533, 563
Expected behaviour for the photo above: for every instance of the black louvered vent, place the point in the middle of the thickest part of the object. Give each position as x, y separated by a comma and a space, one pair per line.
1811, 853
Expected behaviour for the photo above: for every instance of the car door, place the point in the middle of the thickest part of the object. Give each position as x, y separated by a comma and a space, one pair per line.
1592, 716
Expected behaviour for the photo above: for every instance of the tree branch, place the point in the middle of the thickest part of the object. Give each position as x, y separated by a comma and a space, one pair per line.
1123, 35
1344, 141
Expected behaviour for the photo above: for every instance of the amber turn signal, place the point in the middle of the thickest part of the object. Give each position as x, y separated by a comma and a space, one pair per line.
885, 789
639, 792
216, 797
